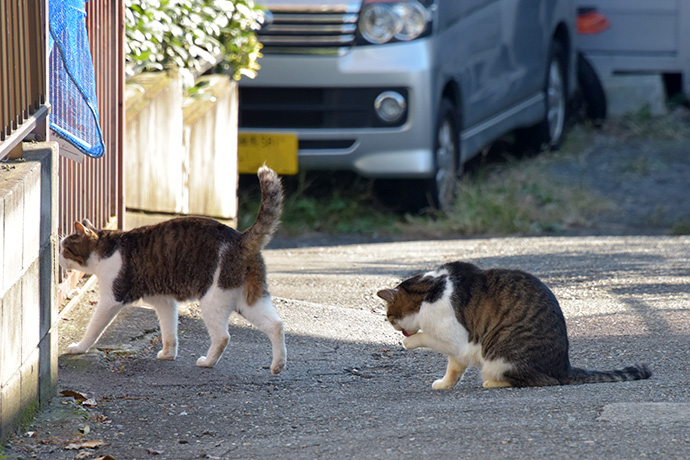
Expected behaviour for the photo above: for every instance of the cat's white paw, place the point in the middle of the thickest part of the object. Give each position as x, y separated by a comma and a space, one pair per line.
277, 367
168, 352
442, 384
495, 384
75, 349
166, 355
205, 362
411, 342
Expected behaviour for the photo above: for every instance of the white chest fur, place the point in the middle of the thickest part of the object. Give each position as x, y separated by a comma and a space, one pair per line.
440, 330
438, 321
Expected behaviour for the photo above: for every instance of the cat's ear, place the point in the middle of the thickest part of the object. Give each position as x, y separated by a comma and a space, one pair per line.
81, 229
388, 294
87, 223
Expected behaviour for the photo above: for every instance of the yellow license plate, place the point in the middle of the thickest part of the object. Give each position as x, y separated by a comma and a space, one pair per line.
277, 151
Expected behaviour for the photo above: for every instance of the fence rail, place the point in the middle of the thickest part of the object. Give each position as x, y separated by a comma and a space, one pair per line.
23, 71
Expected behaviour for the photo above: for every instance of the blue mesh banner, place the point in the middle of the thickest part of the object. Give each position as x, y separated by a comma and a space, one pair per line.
74, 113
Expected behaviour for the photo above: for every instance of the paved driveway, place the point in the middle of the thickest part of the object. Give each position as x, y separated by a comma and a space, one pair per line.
351, 391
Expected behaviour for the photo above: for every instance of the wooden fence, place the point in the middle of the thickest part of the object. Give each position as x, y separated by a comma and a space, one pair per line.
93, 189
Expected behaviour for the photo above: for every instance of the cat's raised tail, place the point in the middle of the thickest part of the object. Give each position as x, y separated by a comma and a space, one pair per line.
267, 220
636, 372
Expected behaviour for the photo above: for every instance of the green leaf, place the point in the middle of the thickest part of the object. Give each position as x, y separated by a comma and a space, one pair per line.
192, 33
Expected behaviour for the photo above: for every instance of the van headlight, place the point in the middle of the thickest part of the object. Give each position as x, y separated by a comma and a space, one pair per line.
384, 21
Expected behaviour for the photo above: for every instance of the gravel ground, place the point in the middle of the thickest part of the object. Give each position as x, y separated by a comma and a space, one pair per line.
645, 179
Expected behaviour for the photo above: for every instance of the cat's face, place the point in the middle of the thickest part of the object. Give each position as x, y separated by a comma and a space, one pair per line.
76, 248
403, 304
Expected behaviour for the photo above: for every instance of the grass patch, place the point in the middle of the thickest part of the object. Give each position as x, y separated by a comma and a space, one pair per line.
641, 165
681, 228
335, 203
516, 197
503, 197
643, 125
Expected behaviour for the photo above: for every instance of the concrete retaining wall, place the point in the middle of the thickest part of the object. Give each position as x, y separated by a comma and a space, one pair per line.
28, 276
210, 138
154, 153
181, 151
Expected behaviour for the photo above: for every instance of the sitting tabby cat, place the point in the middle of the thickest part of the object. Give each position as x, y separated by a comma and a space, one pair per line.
506, 321
182, 259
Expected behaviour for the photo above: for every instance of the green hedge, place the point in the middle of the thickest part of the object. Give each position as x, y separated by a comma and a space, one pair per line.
193, 34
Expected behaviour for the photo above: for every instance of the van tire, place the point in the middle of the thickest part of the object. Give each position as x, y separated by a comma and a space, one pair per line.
592, 97
441, 189
437, 192
548, 133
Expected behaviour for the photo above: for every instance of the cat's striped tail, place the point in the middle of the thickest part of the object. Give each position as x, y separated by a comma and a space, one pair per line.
636, 372
267, 220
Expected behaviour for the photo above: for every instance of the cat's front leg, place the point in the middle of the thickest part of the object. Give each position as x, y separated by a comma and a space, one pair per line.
453, 375
104, 313
415, 341
214, 353
219, 340
77, 348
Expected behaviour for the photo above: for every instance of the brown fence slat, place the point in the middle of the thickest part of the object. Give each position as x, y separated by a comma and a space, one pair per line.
23, 85
34, 49
22, 71
4, 72
93, 188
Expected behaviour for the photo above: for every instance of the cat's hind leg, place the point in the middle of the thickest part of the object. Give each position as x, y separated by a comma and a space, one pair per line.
166, 310
216, 307
264, 316
106, 310
453, 375
494, 373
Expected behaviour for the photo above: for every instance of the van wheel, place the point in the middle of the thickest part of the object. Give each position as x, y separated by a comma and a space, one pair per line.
548, 133
591, 92
441, 188
437, 192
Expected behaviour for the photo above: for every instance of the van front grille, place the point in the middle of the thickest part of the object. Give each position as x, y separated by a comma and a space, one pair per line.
292, 29
312, 108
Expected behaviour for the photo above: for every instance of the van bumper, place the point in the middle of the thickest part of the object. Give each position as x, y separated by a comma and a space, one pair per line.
372, 151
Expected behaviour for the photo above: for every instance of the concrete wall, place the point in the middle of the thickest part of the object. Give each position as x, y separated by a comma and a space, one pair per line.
28, 275
180, 151
154, 153
210, 139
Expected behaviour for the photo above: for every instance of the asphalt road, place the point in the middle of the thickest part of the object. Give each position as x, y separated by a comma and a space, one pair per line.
351, 391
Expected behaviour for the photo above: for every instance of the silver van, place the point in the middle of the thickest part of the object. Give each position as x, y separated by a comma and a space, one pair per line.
408, 89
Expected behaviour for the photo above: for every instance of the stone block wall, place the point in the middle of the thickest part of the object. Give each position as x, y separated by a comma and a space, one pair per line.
154, 153
28, 277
